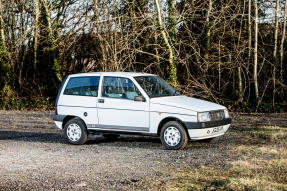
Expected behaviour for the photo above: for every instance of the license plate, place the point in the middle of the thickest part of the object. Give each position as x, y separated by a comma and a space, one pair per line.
215, 130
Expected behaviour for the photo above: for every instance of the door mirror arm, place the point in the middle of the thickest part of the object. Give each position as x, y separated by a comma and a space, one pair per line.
139, 98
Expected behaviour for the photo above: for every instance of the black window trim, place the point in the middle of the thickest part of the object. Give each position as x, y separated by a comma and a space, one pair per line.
82, 95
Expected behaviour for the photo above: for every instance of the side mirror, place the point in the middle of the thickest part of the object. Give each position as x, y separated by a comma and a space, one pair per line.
139, 98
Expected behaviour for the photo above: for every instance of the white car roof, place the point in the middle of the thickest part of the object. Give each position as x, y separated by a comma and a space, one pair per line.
121, 74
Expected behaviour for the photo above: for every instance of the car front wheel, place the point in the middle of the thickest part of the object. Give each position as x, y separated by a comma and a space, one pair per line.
75, 131
173, 136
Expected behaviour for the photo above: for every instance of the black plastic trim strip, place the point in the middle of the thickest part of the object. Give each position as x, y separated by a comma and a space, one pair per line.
121, 132
59, 117
208, 124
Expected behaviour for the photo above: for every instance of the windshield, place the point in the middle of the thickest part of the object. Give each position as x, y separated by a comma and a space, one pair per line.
154, 86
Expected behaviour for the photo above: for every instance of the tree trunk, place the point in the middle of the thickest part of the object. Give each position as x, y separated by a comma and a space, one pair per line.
207, 23
2, 28
282, 43
37, 12
172, 66
52, 39
275, 51
249, 30
4, 47
5, 68
240, 92
255, 51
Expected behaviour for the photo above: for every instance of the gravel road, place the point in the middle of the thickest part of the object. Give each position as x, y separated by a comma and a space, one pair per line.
35, 156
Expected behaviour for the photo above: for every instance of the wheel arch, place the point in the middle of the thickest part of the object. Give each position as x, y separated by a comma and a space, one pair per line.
68, 118
168, 119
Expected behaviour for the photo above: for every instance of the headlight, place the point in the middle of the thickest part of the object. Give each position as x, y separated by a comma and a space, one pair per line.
226, 114
203, 116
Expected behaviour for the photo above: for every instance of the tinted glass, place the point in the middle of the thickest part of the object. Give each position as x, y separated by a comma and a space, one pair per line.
154, 86
83, 86
117, 87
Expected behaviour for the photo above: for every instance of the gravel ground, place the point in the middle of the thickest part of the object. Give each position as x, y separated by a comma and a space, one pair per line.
35, 156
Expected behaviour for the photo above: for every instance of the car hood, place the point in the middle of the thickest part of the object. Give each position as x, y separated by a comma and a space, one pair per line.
186, 103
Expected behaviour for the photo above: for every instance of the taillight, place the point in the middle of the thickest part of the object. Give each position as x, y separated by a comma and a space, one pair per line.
56, 111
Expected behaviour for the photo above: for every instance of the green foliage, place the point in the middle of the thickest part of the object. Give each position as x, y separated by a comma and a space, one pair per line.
26, 103
172, 75
48, 69
172, 68
4, 66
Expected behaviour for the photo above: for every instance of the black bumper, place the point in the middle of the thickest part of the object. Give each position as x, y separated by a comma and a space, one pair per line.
208, 124
59, 117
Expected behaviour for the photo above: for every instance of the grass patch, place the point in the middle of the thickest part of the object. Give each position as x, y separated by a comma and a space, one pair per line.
241, 176
262, 134
257, 160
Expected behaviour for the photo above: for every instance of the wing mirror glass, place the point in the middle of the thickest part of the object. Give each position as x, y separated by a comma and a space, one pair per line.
139, 98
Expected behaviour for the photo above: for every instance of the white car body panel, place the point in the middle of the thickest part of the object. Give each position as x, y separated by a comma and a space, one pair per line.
187, 103
78, 105
158, 112
127, 114
157, 117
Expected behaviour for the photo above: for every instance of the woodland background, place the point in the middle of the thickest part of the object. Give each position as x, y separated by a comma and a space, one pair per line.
229, 51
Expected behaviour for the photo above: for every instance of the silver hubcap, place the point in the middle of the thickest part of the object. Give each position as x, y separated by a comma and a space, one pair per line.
74, 132
172, 136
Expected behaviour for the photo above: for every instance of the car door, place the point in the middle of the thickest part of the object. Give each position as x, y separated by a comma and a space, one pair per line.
117, 109
80, 98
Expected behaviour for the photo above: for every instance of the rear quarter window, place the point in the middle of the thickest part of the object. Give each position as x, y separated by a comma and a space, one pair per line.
83, 86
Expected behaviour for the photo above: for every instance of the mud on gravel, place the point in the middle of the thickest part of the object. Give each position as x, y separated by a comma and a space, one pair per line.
35, 156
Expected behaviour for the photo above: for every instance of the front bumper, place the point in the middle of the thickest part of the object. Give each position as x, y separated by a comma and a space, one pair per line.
198, 134
205, 130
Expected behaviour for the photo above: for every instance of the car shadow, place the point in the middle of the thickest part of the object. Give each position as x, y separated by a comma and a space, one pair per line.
123, 139
31, 136
58, 138
127, 141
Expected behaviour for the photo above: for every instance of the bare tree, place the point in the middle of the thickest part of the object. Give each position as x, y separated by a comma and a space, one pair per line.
207, 45
36, 32
276, 28
249, 30
172, 66
5, 58
282, 41
256, 50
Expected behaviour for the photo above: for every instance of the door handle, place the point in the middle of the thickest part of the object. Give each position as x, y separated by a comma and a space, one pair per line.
101, 100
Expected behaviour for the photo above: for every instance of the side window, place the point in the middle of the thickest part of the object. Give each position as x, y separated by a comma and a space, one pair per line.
117, 87
83, 86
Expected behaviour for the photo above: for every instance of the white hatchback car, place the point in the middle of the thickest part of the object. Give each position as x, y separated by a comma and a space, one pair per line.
116, 103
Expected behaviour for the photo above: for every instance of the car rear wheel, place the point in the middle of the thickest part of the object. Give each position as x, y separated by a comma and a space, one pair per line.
75, 131
173, 136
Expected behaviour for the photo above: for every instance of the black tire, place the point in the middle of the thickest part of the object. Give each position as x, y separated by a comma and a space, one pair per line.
182, 139
83, 137
111, 136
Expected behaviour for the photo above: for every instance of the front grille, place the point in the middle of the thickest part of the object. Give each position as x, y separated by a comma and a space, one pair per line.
216, 115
